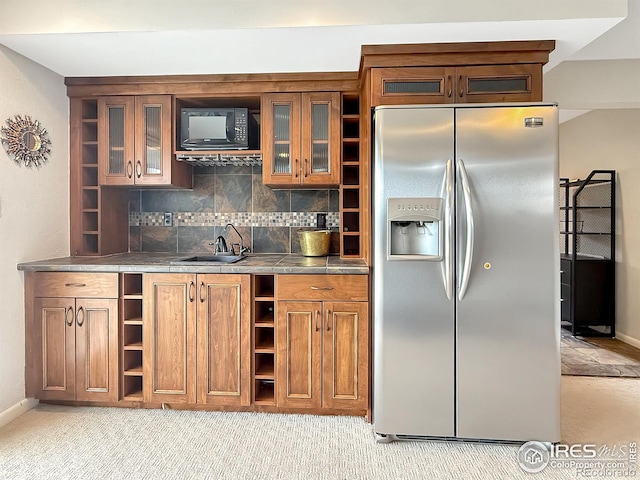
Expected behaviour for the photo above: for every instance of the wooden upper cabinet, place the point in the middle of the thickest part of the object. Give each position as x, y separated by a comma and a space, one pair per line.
412, 85
499, 83
134, 139
301, 139
462, 84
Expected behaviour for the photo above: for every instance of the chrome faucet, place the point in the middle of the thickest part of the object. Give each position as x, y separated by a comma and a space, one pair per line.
242, 248
220, 245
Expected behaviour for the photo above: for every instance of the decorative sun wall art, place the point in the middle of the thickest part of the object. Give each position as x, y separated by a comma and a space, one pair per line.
26, 141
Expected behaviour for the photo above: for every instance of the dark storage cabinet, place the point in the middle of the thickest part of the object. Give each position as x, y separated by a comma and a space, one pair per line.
587, 263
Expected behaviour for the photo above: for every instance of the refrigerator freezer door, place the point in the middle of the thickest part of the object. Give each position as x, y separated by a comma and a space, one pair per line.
413, 318
508, 340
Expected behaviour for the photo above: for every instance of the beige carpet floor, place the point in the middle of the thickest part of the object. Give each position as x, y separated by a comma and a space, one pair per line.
55, 442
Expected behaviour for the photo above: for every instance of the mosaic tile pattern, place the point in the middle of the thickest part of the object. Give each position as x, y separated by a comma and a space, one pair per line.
267, 219
242, 219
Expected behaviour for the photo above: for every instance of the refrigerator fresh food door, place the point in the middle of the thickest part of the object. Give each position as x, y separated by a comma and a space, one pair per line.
508, 327
413, 385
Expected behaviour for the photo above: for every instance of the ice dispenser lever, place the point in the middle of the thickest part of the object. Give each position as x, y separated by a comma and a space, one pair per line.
415, 229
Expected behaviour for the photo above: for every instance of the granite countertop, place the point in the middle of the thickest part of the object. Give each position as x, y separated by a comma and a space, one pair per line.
161, 262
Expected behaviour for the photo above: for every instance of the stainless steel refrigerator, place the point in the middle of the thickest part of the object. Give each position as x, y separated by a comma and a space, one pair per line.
466, 273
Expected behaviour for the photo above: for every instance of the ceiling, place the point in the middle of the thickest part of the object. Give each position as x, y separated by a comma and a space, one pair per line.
161, 37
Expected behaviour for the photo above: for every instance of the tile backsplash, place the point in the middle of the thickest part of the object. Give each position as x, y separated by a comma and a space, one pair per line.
267, 219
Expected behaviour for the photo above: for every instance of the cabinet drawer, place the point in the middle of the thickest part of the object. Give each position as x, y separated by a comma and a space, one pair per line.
76, 284
323, 287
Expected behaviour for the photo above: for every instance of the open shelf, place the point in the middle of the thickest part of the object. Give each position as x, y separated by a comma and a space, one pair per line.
264, 366
132, 344
264, 393
132, 388
264, 285
351, 177
264, 312
132, 284
264, 288
264, 340
132, 363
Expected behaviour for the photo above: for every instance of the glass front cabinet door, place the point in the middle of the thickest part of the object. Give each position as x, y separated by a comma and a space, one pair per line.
135, 140
301, 139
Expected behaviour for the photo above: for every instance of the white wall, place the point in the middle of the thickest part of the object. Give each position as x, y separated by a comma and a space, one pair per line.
34, 204
603, 84
610, 139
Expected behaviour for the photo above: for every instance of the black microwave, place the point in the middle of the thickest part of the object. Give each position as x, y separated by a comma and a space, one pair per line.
216, 128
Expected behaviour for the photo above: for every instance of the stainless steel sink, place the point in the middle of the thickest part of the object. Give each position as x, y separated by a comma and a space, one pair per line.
200, 259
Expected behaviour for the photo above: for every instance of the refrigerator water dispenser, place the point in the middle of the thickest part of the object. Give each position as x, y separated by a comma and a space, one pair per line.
415, 230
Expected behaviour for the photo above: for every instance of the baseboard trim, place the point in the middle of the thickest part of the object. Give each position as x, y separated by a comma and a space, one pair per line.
11, 413
627, 339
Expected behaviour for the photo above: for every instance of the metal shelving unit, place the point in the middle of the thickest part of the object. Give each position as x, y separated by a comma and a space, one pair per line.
587, 246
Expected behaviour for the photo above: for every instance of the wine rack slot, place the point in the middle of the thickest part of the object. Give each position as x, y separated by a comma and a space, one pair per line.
351, 182
131, 378
264, 340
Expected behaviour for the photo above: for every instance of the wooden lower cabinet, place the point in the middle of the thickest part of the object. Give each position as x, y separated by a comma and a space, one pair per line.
194, 340
79, 349
196, 331
322, 351
224, 340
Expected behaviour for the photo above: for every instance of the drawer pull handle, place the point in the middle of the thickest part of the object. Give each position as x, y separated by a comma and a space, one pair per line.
78, 321
138, 169
75, 284
328, 320
191, 289
321, 288
317, 315
67, 320
200, 292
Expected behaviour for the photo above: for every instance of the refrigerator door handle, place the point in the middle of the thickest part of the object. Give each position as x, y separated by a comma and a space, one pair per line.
468, 254
447, 268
